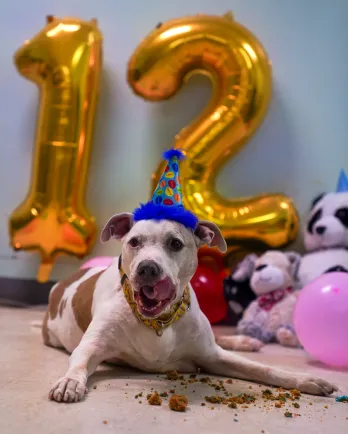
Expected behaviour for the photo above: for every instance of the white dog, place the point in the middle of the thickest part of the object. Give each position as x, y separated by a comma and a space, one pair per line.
142, 311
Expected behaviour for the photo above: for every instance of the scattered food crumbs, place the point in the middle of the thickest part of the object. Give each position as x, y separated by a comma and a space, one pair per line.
126, 384
214, 399
232, 405
140, 402
278, 404
164, 394
310, 403
193, 376
325, 406
154, 399
172, 391
342, 398
297, 405
250, 387
178, 402
229, 381
202, 404
288, 414
205, 380
105, 422
172, 375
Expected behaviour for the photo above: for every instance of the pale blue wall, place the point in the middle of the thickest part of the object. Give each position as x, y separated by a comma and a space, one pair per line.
305, 133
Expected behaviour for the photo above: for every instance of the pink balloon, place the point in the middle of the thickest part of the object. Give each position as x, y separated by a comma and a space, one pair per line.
98, 261
321, 319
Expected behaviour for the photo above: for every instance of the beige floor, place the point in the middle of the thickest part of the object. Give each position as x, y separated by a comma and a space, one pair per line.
27, 370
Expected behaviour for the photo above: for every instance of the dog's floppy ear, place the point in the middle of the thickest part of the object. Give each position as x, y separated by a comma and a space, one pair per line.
208, 233
294, 259
117, 227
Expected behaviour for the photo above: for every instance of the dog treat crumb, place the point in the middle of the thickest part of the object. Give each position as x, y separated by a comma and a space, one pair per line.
229, 381
267, 394
139, 395
172, 391
295, 392
105, 422
155, 399
310, 403
325, 406
288, 414
205, 379
297, 405
193, 376
172, 375
178, 403
278, 404
202, 404
215, 399
164, 394
232, 405
94, 387
140, 402
217, 387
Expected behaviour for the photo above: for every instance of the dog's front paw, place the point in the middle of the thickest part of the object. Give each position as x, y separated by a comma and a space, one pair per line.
315, 386
67, 390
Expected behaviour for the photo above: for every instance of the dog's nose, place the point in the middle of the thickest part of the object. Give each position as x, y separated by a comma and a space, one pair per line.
148, 270
320, 230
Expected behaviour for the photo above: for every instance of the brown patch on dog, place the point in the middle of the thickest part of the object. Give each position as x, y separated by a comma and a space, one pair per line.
45, 335
58, 292
82, 301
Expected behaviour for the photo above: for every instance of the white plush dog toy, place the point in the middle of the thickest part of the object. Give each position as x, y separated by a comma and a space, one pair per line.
270, 317
326, 235
142, 310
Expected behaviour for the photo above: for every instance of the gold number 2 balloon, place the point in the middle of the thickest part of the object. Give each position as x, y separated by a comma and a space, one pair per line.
240, 73
64, 59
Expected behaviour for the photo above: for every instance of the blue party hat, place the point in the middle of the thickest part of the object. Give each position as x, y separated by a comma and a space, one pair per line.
342, 183
167, 200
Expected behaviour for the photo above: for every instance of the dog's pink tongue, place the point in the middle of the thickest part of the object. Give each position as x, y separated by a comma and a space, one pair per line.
163, 289
149, 292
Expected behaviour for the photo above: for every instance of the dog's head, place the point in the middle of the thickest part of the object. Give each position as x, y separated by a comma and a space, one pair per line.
159, 257
327, 225
273, 270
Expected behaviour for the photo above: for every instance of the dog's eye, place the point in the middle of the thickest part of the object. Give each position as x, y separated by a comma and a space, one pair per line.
134, 242
175, 245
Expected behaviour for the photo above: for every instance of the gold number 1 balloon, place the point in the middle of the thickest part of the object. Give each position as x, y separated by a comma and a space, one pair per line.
240, 73
64, 59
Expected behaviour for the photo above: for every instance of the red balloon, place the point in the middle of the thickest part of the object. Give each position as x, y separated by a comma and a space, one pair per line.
207, 283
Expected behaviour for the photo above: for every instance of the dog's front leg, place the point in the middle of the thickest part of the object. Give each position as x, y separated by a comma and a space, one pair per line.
82, 363
225, 363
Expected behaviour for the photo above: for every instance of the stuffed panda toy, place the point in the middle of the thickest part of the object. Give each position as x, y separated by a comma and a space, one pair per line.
326, 235
237, 290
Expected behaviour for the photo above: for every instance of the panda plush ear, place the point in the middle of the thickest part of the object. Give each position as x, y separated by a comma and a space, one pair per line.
317, 199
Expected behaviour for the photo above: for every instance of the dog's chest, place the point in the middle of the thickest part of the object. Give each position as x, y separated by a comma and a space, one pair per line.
150, 352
